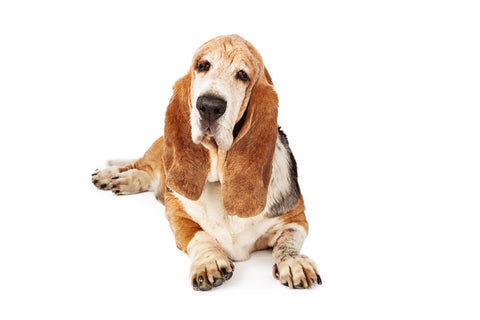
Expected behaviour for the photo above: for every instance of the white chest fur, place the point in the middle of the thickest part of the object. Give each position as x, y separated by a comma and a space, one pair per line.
237, 236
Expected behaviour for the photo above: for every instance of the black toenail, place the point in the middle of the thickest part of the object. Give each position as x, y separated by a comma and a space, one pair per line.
217, 282
195, 284
275, 272
205, 287
226, 275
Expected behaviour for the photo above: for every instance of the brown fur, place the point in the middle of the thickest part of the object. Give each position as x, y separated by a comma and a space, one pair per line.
296, 215
182, 225
152, 164
186, 163
248, 165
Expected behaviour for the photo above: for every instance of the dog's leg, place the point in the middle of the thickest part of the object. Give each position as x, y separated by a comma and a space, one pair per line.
122, 180
292, 268
210, 264
129, 177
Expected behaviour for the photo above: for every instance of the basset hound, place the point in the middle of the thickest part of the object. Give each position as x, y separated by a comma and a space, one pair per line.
224, 169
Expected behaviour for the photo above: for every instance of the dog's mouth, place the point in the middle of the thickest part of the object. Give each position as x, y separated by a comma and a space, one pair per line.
208, 138
208, 130
214, 135
208, 133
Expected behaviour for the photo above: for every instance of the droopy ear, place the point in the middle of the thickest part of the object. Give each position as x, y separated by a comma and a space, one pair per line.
248, 164
186, 163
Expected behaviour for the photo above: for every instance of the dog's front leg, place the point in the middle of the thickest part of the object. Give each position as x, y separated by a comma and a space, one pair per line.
292, 268
210, 264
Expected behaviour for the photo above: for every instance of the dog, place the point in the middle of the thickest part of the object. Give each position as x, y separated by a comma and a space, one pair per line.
224, 169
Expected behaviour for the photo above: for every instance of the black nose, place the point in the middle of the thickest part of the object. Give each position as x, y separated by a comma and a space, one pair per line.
211, 107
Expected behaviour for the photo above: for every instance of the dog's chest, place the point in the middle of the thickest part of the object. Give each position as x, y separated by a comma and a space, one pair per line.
236, 235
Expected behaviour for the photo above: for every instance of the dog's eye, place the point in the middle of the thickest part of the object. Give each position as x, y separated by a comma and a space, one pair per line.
243, 76
203, 66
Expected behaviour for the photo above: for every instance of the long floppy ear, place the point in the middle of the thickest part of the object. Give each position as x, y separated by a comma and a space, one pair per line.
248, 164
186, 163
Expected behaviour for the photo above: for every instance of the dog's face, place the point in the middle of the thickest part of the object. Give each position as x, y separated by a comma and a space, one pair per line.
224, 72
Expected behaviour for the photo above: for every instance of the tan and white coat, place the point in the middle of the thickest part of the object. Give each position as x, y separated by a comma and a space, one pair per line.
229, 187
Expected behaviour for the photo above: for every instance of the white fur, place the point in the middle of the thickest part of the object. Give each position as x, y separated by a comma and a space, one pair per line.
220, 80
280, 180
201, 242
213, 174
237, 236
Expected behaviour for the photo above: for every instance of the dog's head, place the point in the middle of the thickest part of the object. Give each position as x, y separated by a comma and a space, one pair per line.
224, 72
225, 102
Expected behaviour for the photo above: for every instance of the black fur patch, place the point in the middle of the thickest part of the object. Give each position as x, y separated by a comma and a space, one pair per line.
286, 201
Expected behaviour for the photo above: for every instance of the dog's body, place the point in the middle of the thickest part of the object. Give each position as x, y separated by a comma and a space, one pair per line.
224, 170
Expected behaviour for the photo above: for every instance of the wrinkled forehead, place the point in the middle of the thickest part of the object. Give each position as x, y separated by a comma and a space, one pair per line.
229, 50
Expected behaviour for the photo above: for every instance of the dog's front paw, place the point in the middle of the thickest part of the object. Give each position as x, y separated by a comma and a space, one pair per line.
102, 179
127, 182
211, 271
296, 272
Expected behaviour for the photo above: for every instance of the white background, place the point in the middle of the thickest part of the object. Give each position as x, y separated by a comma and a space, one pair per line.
380, 101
